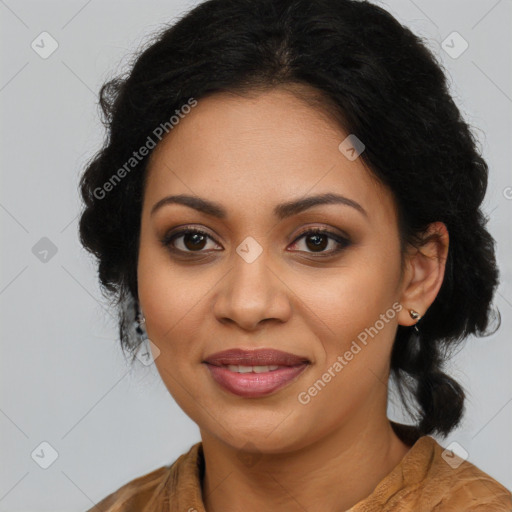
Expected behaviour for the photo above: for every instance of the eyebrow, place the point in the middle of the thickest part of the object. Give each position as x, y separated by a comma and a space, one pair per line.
281, 211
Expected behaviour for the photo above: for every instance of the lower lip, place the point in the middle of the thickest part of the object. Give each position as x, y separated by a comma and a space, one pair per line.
254, 384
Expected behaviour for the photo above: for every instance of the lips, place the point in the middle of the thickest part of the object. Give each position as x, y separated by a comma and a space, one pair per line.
255, 373
258, 357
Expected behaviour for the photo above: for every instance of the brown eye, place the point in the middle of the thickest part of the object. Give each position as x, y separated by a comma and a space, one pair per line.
316, 241
193, 240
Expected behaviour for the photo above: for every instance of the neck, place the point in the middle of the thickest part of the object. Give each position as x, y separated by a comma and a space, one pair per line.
332, 474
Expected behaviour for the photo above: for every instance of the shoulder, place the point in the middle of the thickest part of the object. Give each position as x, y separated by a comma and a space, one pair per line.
430, 478
133, 495
152, 492
457, 484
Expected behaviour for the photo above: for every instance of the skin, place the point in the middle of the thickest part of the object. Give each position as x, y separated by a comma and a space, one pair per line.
250, 154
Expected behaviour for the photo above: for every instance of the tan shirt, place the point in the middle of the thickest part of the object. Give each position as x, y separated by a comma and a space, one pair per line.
422, 482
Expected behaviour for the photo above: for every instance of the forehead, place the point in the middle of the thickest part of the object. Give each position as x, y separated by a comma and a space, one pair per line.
258, 151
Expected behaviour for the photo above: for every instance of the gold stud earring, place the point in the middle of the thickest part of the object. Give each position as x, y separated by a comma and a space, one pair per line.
415, 316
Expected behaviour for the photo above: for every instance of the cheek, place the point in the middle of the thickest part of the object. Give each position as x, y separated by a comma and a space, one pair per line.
350, 297
353, 313
170, 295
171, 301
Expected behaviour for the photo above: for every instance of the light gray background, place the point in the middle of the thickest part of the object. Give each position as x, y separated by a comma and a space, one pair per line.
63, 376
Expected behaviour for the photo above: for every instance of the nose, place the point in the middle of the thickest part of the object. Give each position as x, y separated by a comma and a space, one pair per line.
252, 293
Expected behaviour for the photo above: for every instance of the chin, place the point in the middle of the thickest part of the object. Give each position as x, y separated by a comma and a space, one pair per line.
261, 435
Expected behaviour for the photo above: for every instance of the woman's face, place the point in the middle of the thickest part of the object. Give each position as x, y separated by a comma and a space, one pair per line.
256, 281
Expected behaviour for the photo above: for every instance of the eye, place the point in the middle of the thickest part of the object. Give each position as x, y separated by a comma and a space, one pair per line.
193, 240
318, 239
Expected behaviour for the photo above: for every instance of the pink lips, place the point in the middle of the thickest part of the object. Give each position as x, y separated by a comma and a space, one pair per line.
255, 384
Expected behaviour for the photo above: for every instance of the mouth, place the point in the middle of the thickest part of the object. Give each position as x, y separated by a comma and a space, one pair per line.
255, 373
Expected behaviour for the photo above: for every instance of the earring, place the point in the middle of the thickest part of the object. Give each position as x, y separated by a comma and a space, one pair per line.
140, 322
415, 316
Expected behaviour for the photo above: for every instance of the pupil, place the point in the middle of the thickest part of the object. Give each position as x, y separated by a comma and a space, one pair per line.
196, 238
317, 244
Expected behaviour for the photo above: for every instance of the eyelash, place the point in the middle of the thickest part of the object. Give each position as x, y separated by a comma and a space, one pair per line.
342, 242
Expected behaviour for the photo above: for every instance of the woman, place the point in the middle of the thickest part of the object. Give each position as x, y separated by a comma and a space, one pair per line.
288, 207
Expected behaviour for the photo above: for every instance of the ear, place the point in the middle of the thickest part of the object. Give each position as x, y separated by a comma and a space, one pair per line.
424, 273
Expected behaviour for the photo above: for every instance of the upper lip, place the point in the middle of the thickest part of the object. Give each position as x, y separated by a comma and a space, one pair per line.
258, 357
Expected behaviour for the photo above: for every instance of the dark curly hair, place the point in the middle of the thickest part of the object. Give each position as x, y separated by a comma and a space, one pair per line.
380, 82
